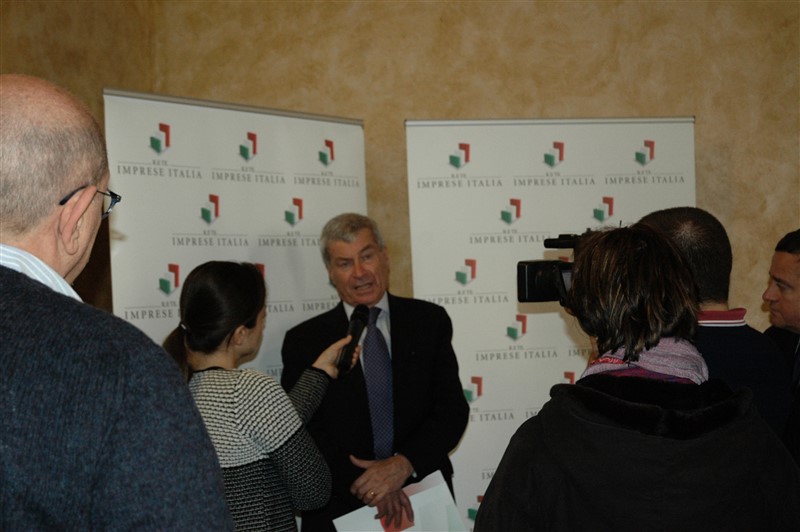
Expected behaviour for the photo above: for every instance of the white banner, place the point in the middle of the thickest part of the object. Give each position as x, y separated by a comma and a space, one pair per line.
484, 195
207, 181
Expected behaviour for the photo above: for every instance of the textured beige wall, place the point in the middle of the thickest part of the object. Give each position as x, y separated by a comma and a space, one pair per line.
735, 66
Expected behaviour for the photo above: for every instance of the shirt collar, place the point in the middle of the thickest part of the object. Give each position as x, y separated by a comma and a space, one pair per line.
721, 318
28, 264
383, 304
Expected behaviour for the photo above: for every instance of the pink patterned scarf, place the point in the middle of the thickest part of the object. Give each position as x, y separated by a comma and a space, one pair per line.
677, 358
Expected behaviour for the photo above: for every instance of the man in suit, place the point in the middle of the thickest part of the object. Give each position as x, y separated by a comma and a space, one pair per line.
783, 298
97, 431
427, 409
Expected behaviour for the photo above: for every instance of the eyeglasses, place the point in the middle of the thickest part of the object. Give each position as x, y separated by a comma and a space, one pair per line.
114, 198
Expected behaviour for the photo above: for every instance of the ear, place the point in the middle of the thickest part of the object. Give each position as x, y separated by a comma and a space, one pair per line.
71, 219
239, 335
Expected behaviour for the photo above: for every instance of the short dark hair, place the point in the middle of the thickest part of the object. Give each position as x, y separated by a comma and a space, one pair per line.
705, 245
216, 298
631, 287
790, 243
344, 228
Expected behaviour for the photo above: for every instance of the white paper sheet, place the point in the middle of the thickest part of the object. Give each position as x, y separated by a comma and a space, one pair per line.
434, 510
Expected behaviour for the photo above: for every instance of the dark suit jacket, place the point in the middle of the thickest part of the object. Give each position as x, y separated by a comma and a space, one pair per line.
431, 412
743, 357
787, 342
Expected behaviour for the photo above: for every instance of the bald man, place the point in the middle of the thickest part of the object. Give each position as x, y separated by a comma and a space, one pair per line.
97, 429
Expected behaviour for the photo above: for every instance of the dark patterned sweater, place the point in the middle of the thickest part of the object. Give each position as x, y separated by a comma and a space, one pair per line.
270, 464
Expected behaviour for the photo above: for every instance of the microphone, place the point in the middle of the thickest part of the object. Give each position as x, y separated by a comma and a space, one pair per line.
358, 320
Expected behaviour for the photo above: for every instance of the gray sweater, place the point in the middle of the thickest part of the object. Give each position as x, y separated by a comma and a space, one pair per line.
97, 429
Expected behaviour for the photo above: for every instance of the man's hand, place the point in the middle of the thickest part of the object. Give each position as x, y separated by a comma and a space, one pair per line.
392, 506
380, 478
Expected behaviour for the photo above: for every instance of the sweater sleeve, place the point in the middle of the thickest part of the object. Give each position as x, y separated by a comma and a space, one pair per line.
304, 471
269, 418
308, 391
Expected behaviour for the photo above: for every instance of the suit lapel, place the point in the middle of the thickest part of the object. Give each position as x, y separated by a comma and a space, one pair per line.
401, 330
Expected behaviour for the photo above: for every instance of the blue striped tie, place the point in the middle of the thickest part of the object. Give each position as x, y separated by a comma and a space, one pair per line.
378, 374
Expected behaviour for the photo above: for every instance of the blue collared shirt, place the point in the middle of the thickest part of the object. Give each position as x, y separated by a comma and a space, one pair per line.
35, 268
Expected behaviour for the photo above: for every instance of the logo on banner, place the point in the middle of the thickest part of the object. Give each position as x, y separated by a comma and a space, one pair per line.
171, 279
517, 330
554, 157
647, 153
210, 211
160, 140
295, 212
569, 377
249, 149
472, 511
461, 157
604, 210
467, 274
475, 389
326, 156
512, 213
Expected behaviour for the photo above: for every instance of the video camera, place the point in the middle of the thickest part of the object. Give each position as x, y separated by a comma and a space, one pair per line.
546, 280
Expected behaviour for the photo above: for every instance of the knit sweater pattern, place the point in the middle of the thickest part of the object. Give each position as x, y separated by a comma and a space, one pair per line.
270, 465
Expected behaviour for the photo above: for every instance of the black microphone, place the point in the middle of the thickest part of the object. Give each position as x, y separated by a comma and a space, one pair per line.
358, 320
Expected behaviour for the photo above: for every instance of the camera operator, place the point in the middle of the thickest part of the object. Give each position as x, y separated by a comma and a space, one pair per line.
643, 440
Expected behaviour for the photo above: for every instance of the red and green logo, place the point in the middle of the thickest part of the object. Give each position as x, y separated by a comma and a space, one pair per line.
460, 158
512, 212
249, 149
467, 273
210, 211
326, 155
475, 389
604, 210
472, 511
160, 140
294, 214
171, 279
647, 153
555, 156
517, 330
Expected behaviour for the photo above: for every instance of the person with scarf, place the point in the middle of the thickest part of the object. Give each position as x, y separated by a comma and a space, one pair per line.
643, 440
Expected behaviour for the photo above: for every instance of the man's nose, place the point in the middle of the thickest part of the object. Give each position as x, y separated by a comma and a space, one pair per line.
770, 294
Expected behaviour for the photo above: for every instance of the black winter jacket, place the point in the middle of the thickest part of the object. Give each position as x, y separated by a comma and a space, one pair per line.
627, 453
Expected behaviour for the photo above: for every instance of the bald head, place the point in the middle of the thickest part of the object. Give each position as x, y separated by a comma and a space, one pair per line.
49, 145
702, 239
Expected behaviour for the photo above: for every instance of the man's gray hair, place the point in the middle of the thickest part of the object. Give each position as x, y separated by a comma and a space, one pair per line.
344, 228
44, 158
